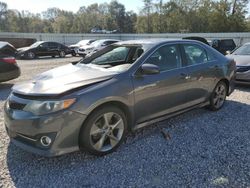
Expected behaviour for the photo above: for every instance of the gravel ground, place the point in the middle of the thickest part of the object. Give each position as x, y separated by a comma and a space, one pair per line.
205, 149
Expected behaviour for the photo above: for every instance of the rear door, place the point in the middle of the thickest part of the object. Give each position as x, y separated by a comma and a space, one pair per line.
202, 70
54, 48
163, 93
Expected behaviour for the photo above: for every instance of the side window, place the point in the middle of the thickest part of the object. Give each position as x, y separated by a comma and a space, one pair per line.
195, 54
166, 58
53, 45
44, 45
138, 52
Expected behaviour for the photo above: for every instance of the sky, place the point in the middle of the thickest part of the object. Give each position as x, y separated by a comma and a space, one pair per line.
38, 6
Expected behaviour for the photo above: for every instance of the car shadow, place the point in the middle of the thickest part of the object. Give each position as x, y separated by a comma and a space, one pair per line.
144, 153
5, 89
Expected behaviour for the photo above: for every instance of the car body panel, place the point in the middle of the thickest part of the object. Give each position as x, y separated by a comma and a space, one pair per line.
243, 66
8, 71
143, 98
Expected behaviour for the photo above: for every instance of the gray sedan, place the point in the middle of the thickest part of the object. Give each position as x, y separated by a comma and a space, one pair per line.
242, 59
92, 104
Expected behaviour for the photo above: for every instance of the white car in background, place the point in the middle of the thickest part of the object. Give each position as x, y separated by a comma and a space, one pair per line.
75, 47
95, 46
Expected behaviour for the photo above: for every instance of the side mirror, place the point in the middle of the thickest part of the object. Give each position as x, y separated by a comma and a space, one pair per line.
148, 69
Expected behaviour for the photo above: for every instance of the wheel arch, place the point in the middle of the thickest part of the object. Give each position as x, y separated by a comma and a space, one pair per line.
118, 104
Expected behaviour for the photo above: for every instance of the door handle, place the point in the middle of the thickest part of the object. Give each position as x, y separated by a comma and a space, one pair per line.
185, 76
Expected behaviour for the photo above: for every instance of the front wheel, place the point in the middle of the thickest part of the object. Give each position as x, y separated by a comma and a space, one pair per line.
104, 130
31, 55
218, 96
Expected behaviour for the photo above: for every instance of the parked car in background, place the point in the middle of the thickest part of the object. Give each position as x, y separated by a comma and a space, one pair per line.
83, 43
242, 58
223, 45
126, 86
201, 39
96, 46
8, 67
43, 48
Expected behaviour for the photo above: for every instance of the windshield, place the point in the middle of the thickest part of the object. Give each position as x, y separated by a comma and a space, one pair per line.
36, 44
243, 50
116, 57
97, 43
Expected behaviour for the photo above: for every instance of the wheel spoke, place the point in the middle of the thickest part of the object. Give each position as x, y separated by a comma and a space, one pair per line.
98, 145
118, 124
113, 140
95, 130
107, 118
216, 99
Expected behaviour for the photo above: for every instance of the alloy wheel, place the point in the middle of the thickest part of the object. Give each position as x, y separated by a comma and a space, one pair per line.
31, 55
219, 96
107, 131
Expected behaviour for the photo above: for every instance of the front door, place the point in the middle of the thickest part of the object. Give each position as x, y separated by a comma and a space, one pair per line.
163, 93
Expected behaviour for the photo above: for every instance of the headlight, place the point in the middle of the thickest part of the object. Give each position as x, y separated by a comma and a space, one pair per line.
46, 107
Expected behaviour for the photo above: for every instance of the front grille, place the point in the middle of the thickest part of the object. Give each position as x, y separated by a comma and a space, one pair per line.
243, 68
82, 50
16, 106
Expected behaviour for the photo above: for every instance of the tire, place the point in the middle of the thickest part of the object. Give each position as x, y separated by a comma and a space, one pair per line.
104, 131
73, 54
31, 55
53, 56
62, 54
218, 96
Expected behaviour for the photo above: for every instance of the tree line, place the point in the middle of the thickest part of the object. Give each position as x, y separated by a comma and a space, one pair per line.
156, 16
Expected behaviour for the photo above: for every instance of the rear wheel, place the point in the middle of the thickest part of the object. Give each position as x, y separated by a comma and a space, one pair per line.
218, 96
62, 54
104, 130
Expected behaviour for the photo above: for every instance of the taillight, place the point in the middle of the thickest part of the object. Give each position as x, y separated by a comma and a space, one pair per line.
10, 60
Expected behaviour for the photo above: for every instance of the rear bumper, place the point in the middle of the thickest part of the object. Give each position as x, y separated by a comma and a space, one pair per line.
10, 75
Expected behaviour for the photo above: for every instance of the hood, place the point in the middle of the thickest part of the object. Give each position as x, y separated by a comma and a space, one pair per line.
86, 47
74, 46
62, 79
23, 49
241, 60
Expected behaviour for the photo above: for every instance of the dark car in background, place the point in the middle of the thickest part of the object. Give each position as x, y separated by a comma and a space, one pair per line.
242, 58
43, 48
8, 67
223, 45
128, 85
